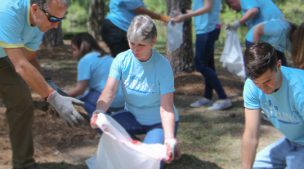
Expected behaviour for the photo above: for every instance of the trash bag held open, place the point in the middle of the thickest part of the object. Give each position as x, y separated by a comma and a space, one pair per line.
117, 150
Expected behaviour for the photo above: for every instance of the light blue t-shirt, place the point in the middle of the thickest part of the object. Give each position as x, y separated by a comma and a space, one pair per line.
285, 107
121, 12
206, 22
276, 33
96, 69
15, 28
143, 84
267, 11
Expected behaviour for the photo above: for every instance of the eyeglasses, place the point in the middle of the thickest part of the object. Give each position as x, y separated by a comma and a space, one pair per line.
50, 17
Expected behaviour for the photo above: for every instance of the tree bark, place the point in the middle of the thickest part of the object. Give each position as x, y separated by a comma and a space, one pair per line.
53, 37
96, 16
182, 58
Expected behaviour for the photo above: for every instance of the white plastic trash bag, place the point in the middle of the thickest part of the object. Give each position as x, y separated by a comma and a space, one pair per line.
174, 35
232, 56
117, 150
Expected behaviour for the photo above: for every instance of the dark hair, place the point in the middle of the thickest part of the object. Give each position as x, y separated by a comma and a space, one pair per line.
259, 58
86, 43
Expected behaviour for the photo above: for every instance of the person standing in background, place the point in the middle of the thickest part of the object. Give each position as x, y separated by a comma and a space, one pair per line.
207, 28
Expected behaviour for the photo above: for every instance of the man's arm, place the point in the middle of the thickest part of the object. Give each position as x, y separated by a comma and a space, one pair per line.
19, 58
250, 137
153, 15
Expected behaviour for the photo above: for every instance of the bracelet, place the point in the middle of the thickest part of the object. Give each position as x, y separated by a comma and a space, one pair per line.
98, 111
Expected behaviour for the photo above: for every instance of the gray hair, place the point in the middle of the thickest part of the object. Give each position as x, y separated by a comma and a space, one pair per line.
142, 28
44, 3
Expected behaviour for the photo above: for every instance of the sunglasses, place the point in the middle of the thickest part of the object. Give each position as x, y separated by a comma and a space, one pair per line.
50, 17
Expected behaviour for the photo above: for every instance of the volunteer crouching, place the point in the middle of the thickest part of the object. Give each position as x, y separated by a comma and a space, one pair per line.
148, 87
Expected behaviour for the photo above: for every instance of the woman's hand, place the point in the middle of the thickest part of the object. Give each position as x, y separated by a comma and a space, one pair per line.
173, 150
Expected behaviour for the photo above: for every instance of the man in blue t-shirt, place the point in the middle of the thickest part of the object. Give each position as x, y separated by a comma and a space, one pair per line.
22, 25
254, 12
277, 92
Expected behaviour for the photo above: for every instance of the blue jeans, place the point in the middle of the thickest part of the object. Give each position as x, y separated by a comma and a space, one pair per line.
280, 54
154, 133
204, 62
282, 154
90, 100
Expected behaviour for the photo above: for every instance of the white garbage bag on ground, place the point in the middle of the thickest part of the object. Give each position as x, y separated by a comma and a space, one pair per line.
174, 35
117, 150
232, 56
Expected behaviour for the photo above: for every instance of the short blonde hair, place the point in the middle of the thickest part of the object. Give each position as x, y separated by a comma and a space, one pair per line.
142, 29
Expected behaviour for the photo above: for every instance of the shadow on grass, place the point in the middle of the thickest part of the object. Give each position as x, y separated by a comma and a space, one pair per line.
63, 165
188, 161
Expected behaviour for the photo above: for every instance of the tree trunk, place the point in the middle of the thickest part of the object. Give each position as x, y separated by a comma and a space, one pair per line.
96, 16
53, 37
182, 58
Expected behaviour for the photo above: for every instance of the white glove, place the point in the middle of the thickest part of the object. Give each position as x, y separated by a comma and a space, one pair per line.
64, 106
234, 26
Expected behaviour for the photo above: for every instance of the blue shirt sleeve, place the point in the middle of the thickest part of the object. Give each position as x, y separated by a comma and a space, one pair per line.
115, 70
34, 44
166, 80
250, 95
249, 4
131, 4
10, 32
83, 69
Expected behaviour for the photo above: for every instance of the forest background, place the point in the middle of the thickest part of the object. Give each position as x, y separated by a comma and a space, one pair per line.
209, 140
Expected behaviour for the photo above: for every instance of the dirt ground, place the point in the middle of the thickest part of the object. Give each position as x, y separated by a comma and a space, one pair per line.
57, 143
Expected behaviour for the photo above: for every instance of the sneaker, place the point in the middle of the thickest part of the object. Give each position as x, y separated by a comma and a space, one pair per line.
220, 104
201, 102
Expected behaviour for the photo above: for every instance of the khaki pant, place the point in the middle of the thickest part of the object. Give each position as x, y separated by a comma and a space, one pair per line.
17, 98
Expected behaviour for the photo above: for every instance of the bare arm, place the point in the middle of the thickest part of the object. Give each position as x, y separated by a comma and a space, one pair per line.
168, 123
79, 88
105, 99
250, 14
19, 58
258, 32
144, 11
31, 56
206, 8
167, 115
250, 137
